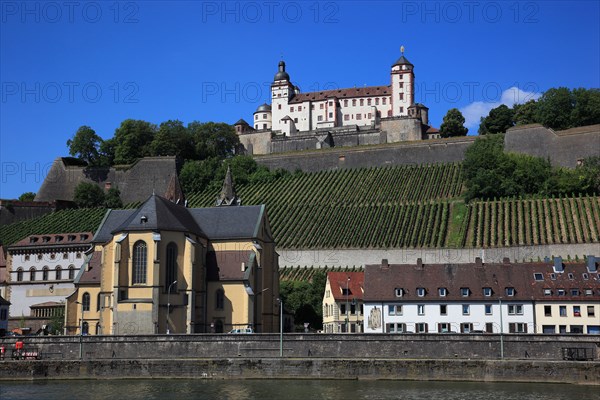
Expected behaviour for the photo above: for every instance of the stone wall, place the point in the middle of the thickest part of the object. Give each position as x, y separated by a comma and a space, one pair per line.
360, 257
413, 346
586, 373
401, 129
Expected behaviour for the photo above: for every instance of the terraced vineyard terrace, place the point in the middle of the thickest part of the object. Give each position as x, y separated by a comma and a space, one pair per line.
306, 273
403, 206
533, 222
64, 221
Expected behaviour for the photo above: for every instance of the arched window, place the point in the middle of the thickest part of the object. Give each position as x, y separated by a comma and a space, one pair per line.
220, 299
85, 328
98, 329
85, 301
140, 252
171, 271
32, 274
45, 274
98, 301
218, 326
58, 273
71, 272
20, 275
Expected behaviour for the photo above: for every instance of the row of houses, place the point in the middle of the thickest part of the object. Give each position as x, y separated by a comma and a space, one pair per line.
550, 297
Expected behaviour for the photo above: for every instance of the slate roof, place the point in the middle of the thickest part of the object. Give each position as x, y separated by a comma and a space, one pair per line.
53, 240
159, 214
227, 265
90, 271
239, 222
4, 302
381, 281
368, 91
338, 280
402, 60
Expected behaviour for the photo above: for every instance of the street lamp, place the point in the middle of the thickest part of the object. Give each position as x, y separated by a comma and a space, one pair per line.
347, 310
280, 327
80, 331
169, 304
501, 330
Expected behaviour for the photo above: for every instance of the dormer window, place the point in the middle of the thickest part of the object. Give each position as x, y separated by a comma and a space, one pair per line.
45, 239
33, 239
58, 239
553, 276
574, 292
399, 292
561, 292
84, 237
487, 291
547, 292
464, 292
420, 292
538, 276
586, 276
442, 292
71, 238
510, 291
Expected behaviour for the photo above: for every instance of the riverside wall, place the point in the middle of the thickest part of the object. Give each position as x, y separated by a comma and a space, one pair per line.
586, 373
362, 257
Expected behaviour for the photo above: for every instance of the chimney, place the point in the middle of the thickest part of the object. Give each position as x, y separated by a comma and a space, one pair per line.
478, 262
558, 265
506, 260
419, 263
384, 263
591, 264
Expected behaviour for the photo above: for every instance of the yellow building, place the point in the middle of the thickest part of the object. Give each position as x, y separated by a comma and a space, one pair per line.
165, 268
343, 302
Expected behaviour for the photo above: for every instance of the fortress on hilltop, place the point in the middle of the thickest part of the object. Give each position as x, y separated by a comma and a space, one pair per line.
337, 118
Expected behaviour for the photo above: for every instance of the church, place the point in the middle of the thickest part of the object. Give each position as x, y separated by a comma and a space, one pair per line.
353, 116
165, 268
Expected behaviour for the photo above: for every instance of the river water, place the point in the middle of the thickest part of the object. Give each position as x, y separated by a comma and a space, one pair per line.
289, 390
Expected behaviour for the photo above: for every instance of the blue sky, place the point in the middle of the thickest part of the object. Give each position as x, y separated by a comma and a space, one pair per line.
67, 64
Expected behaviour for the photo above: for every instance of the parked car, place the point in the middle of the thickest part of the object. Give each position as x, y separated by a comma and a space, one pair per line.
242, 330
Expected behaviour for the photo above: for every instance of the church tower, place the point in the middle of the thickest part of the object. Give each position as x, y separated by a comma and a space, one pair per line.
282, 91
228, 197
403, 85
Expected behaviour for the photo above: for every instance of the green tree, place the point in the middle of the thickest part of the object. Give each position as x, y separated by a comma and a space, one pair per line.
112, 198
212, 139
485, 166
555, 108
498, 120
107, 153
88, 195
57, 324
172, 139
85, 145
586, 110
132, 140
27, 196
305, 300
196, 176
525, 113
453, 124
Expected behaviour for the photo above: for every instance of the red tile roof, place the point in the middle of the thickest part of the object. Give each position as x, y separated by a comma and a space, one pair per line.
338, 281
369, 91
381, 281
59, 239
227, 265
93, 267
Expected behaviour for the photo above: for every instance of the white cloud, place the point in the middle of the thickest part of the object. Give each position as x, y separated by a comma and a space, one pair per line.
474, 111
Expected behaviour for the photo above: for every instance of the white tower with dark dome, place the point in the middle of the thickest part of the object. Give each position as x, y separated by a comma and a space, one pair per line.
282, 91
263, 117
403, 85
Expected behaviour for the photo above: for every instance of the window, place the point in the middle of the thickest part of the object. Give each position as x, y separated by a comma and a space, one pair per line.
443, 327
466, 327
576, 329
517, 327
401, 109
32, 274
487, 292
401, 85
358, 117
574, 292
488, 309
421, 309
442, 291
571, 276
52, 256
139, 262
20, 275
296, 119
538, 276
345, 103
399, 292
562, 311
561, 292
383, 101
354, 102
265, 115
346, 117
279, 105
585, 276
342, 309
421, 327
45, 274
401, 96
352, 308
377, 101
515, 309
85, 301
330, 116
589, 292
58, 273
220, 299
577, 311
71, 272
547, 311
78, 255
548, 329
27, 258
370, 116
443, 309
489, 327
320, 118
39, 256
466, 309
291, 109
65, 256
400, 77
547, 292
395, 328
395, 309
590, 311
464, 292
368, 102
362, 102
98, 301
510, 291
553, 276
171, 270
420, 292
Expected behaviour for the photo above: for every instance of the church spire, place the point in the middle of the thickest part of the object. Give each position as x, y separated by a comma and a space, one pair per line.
228, 196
